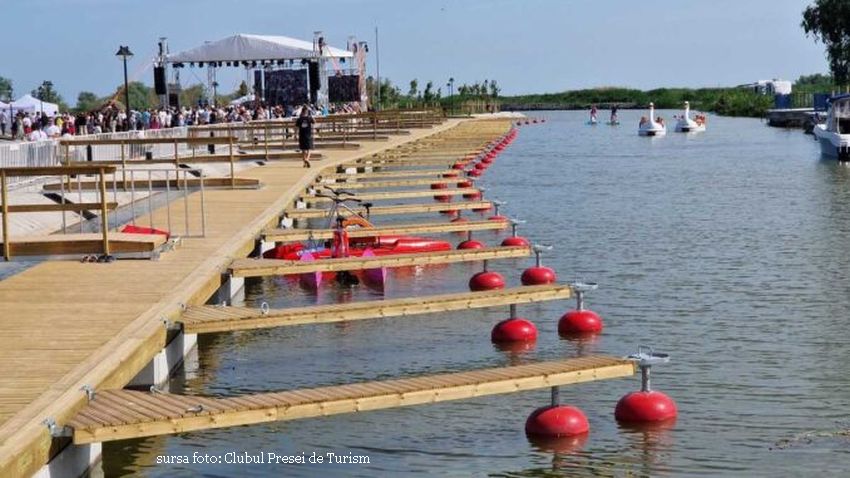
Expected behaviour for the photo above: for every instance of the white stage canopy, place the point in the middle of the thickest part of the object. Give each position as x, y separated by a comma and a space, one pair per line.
245, 47
29, 103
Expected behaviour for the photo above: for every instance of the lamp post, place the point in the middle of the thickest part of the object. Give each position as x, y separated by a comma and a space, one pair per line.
451, 85
43, 89
215, 93
124, 52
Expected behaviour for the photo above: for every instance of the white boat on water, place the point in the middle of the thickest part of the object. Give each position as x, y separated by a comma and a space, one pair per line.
652, 126
687, 125
834, 135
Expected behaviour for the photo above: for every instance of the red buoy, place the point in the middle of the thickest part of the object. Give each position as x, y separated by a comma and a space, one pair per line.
439, 186
459, 219
557, 421
538, 275
515, 329
480, 165
458, 165
451, 174
472, 195
465, 184
443, 198
486, 280
470, 244
487, 160
515, 241
645, 407
497, 217
578, 322
475, 173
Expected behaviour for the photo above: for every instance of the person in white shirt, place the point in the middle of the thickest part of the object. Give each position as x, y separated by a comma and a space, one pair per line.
53, 131
4, 120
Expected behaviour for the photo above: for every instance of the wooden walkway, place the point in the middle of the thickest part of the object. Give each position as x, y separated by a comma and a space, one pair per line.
414, 173
122, 414
206, 319
395, 209
400, 183
294, 235
273, 267
67, 325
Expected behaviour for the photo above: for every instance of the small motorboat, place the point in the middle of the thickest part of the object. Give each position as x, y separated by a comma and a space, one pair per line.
834, 134
687, 125
652, 126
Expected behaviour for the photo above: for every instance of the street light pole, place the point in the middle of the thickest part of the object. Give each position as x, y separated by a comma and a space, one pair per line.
124, 52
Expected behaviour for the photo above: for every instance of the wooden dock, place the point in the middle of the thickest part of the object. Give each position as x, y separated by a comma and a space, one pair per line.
415, 173
390, 195
122, 414
273, 267
294, 235
67, 325
206, 319
81, 244
392, 210
400, 183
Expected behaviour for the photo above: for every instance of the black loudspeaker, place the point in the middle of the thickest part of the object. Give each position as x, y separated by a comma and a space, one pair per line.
159, 79
173, 100
258, 83
313, 71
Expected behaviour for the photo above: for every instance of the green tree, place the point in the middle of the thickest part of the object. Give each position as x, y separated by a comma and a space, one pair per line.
494, 89
428, 94
828, 21
87, 101
46, 92
242, 90
414, 89
5, 88
192, 95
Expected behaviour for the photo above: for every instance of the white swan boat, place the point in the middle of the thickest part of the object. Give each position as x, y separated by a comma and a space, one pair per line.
651, 127
687, 125
834, 135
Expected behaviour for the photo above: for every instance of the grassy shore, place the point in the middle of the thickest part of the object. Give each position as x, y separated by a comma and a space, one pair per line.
723, 101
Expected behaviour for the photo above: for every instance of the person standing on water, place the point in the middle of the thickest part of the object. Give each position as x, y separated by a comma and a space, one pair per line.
593, 114
304, 126
614, 119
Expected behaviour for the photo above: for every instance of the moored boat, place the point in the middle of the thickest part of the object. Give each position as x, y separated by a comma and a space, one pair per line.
834, 134
686, 124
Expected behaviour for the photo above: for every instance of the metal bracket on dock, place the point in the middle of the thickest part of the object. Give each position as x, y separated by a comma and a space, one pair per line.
264, 308
646, 358
90, 393
55, 430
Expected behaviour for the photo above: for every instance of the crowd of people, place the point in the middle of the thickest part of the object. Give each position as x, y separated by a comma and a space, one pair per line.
38, 126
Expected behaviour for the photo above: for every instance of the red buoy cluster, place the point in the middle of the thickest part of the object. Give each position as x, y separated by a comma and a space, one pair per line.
580, 321
538, 274
488, 155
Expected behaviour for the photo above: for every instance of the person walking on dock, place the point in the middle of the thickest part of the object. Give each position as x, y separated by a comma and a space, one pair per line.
304, 126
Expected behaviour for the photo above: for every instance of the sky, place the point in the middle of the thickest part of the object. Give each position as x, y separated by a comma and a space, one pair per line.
528, 46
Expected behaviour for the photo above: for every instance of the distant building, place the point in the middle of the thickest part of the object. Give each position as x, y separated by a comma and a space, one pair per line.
770, 87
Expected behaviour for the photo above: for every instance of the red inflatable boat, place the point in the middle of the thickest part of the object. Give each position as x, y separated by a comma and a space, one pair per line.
380, 246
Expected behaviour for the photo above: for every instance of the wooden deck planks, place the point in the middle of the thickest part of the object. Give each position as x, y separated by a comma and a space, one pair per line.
116, 415
391, 210
268, 267
206, 319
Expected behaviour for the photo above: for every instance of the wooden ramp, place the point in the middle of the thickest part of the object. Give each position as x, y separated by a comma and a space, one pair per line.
208, 319
272, 267
58, 244
295, 235
399, 183
123, 414
388, 195
389, 210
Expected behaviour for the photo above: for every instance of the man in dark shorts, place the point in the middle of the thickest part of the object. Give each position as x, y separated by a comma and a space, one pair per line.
304, 126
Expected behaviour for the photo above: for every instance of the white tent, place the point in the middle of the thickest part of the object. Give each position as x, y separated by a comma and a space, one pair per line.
244, 47
242, 99
28, 103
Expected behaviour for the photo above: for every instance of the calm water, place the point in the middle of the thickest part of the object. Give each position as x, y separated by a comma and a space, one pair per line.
728, 250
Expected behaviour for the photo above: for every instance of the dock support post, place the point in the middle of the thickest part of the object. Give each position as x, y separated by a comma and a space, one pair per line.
72, 462
556, 396
158, 370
